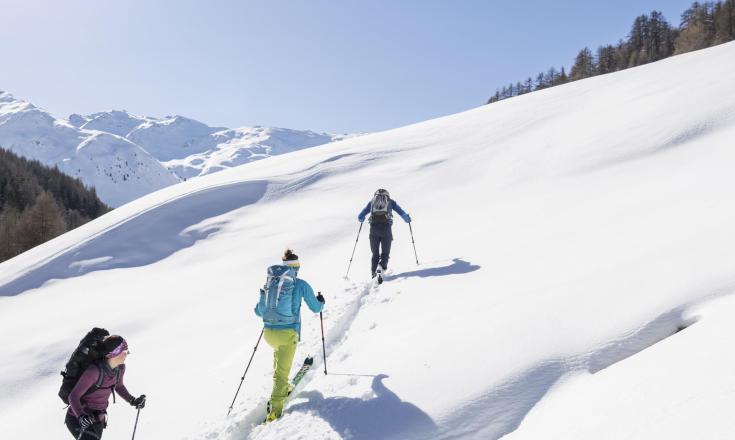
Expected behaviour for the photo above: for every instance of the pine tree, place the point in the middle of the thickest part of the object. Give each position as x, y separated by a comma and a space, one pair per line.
697, 30
583, 65
540, 82
724, 20
41, 222
563, 78
22, 183
687, 17
9, 246
495, 97
606, 60
658, 43
550, 77
529, 85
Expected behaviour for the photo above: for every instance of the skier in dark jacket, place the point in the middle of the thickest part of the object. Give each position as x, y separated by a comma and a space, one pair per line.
88, 400
381, 209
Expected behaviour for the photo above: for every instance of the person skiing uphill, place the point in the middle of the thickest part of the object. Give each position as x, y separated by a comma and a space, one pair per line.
381, 234
280, 307
88, 400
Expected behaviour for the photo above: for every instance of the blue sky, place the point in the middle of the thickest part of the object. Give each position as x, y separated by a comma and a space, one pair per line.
338, 66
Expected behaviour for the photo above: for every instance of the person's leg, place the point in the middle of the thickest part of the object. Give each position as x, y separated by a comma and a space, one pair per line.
93, 432
375, 249
385, 242
284, 345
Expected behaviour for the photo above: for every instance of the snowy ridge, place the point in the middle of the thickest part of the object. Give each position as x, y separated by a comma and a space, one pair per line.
116, 122
118, 169
230, 148
576, 278
183, 146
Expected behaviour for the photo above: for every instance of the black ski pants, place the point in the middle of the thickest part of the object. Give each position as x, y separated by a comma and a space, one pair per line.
93, 432
381, 236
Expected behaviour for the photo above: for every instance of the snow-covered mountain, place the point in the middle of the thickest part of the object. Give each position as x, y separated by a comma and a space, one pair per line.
183, 146
117, 168
229, 148
576, 278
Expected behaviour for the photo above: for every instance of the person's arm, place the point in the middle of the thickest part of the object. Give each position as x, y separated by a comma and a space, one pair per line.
85, 382
120, 388
308, 294
401, 212
260, 307
364, 212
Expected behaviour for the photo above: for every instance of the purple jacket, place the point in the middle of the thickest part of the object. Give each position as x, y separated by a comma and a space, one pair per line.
87, 398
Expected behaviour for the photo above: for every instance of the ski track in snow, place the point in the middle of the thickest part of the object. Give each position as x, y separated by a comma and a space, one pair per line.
338, 321
497, 411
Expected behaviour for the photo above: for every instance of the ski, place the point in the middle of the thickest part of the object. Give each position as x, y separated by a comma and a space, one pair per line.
308, 362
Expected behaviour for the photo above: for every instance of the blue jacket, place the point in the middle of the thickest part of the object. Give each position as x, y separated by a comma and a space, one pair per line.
392, 204
301, 289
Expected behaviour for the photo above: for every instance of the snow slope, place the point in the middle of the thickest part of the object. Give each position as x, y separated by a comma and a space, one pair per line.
576, 278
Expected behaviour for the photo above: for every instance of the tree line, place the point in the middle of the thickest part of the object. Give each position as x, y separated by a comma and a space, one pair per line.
651, 38
38, 203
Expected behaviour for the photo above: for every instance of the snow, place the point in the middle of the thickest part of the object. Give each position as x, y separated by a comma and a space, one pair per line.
230, 148
118, 169
575, 278
139, 154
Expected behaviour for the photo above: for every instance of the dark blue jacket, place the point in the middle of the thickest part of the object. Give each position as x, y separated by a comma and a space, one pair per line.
392, 204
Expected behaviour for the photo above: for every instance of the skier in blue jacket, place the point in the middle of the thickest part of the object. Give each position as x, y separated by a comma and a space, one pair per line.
381, 221
281, 313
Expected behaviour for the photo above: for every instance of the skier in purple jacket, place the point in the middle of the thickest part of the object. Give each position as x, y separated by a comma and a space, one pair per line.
88, 400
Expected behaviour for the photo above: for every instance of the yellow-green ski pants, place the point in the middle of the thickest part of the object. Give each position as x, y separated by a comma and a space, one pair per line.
284, 343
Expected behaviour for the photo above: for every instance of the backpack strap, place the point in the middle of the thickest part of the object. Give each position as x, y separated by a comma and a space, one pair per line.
283, 279
101, 377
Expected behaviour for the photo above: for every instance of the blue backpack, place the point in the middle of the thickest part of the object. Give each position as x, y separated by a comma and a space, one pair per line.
281, 308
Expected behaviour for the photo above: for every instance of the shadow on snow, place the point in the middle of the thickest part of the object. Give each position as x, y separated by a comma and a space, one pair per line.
383, 417
457, 267
145, 239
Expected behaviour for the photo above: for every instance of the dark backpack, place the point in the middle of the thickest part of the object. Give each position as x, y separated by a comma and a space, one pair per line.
380, 207
86, 354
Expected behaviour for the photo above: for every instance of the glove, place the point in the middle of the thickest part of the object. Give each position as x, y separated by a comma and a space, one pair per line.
320, 298
360, 219
407, 218
85, 421
139, 402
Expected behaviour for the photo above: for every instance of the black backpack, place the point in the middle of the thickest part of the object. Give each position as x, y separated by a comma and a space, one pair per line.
86, 354
380, 207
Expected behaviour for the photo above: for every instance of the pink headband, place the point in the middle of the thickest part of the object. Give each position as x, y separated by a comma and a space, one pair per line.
116, 352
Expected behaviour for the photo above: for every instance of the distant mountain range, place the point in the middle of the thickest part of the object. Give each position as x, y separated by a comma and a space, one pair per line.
124, 156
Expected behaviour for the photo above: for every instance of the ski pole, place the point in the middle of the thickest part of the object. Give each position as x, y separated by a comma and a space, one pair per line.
136, 423
414, 243
242, 379
353, 250
324, 349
